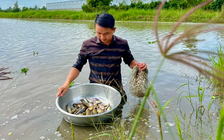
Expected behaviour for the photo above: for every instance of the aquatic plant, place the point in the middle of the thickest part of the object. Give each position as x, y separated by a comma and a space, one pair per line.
217, 62
24, 70
194, 61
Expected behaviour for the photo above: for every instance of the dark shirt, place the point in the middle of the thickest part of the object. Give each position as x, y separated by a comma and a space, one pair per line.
104, 61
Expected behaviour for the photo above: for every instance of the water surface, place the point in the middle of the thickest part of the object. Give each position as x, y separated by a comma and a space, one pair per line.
28, 108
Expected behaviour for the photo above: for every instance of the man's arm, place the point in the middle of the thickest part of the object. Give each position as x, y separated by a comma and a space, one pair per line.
141, 66
73, 74
133, 63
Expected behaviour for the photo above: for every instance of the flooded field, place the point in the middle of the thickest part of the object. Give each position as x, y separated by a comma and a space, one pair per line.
27, 102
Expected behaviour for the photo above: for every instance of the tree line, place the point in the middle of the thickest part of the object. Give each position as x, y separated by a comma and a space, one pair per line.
105, 5
16, 8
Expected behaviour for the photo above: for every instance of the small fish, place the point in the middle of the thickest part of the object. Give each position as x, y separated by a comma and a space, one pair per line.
73, 110
75, 104
94, 111
89, 100
81, 111
97, 102
89, 104
84, 102
95, 99
88, 112
68, 108
100, 109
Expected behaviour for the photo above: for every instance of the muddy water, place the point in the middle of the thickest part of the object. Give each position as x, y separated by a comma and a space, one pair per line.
27, 103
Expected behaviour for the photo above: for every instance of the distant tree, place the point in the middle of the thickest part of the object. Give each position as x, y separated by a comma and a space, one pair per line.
35, 7
43, 8
0, 9
217, 5
9, 9
25, 9
16, 7
95, 3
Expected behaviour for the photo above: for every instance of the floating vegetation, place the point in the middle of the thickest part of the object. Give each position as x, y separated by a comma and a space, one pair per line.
35, 53
24, 70
91, 107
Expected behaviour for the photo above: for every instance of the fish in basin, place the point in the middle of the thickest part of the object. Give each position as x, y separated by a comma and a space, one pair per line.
88, 106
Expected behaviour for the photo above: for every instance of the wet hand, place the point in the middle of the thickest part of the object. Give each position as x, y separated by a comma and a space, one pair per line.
62, 90
142, 66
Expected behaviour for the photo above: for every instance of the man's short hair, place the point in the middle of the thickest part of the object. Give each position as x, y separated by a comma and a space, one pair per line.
105, 20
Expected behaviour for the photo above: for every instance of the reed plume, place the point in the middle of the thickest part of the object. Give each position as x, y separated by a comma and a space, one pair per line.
187, 58
2, 74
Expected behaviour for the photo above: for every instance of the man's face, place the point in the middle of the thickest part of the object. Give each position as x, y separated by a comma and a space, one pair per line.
104, 34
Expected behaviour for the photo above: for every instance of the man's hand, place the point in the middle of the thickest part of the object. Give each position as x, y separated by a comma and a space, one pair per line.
62, 90
141, 66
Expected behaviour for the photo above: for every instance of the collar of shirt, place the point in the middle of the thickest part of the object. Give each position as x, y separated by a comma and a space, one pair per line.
99, 41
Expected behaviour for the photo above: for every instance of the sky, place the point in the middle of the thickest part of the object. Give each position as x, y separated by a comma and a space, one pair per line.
4, 4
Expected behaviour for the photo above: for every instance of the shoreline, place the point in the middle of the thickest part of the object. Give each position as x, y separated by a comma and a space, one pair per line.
132, 15
71, 20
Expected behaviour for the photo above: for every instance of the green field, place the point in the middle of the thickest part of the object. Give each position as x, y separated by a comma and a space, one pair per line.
129, 15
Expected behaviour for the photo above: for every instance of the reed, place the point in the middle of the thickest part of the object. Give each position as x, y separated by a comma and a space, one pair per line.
3, 74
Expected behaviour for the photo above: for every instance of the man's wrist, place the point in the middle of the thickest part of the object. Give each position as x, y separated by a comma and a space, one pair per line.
66, 84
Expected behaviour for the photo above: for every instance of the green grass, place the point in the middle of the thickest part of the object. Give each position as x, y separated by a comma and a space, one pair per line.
129, 15
219, 134
218, 63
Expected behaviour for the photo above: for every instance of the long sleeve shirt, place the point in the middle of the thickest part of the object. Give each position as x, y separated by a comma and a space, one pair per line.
105, 60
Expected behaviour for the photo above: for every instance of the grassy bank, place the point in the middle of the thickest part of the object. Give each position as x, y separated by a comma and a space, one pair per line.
129, 15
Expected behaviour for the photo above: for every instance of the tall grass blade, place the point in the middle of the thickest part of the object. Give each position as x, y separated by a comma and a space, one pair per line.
179, 96
165, 105
73, 135
181, 86
178, 126
220, 135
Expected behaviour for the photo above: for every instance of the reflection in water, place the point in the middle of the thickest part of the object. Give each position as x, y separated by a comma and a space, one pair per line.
190, 43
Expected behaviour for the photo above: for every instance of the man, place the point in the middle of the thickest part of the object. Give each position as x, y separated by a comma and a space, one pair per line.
104, 53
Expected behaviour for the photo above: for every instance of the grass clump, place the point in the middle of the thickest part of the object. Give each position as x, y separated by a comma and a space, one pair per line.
217, 62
